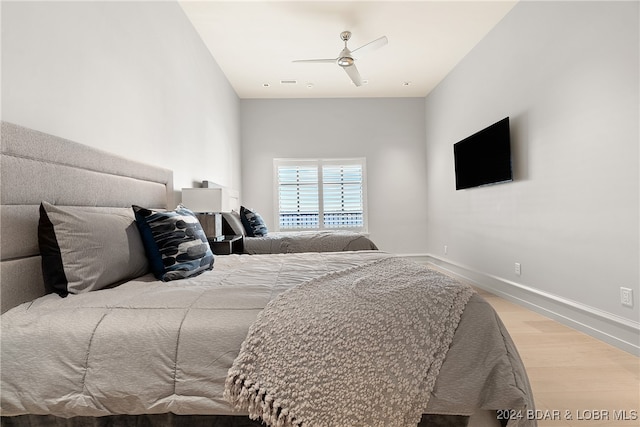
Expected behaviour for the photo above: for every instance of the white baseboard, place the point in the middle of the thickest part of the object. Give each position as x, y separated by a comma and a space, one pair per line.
610, 328
421, 258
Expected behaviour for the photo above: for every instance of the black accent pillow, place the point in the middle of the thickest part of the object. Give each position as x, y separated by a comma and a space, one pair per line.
175, 243
252, 222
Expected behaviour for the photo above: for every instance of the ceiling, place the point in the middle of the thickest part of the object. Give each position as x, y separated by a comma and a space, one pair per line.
255, 42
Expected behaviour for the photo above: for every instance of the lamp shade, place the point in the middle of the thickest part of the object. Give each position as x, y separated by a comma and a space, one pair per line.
202, 199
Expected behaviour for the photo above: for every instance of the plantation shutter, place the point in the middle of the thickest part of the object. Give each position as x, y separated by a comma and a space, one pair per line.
320, 194
342, 196
299, 203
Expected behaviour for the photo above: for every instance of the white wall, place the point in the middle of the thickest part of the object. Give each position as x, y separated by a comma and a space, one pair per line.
567, 75
132, 78
389, 133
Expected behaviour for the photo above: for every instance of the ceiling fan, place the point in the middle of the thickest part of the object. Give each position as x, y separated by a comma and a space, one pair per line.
346, 59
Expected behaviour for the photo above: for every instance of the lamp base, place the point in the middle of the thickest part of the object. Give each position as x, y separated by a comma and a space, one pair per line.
212, 225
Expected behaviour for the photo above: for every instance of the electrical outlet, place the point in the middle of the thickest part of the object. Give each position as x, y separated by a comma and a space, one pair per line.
626, 297
517, 269
446, 249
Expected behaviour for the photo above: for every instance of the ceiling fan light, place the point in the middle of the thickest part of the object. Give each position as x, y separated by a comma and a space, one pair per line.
345, 61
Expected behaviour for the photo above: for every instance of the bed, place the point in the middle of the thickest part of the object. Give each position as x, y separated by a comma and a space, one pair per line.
280, 242
201, 350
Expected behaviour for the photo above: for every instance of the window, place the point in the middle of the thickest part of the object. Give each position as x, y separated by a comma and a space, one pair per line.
320, 194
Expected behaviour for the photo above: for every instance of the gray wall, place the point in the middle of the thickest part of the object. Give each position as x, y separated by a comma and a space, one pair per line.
388, 132
132, 78
567, 75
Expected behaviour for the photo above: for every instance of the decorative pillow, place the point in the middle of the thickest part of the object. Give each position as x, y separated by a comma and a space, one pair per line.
175, 243
252, 222
235, 224
85, 249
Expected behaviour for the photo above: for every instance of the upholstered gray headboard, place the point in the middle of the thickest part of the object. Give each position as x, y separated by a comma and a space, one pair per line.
34, 167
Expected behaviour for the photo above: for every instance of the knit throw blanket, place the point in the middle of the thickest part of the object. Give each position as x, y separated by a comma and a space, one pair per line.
358, 347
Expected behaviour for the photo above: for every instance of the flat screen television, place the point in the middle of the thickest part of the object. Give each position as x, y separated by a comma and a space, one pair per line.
485, 157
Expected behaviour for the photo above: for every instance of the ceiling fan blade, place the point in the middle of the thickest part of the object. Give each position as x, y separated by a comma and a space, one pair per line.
354, 75
316, 60
376, 44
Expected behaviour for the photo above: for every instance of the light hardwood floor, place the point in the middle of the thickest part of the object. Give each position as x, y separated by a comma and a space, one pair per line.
577, 380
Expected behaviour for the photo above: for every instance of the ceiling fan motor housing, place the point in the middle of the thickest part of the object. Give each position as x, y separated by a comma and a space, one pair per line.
345, 61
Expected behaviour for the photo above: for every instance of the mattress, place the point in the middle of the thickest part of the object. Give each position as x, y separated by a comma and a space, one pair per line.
150, 347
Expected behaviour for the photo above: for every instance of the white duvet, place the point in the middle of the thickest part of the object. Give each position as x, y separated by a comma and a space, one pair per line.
149, 347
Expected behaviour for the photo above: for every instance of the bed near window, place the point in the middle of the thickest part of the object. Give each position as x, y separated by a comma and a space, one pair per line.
281, 242
362, 338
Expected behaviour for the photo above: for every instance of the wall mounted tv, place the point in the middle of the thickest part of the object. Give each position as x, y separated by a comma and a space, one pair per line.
484, 157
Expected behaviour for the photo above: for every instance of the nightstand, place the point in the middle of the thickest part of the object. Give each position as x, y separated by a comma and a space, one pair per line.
231, 244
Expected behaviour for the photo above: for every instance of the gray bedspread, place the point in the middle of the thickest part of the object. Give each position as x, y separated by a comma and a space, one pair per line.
148, 347
328, 337
308, 241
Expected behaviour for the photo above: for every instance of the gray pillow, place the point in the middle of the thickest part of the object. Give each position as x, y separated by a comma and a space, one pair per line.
85, 249
233, 220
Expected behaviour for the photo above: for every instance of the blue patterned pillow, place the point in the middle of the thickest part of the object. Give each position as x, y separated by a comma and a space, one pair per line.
252, 222
175, 243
